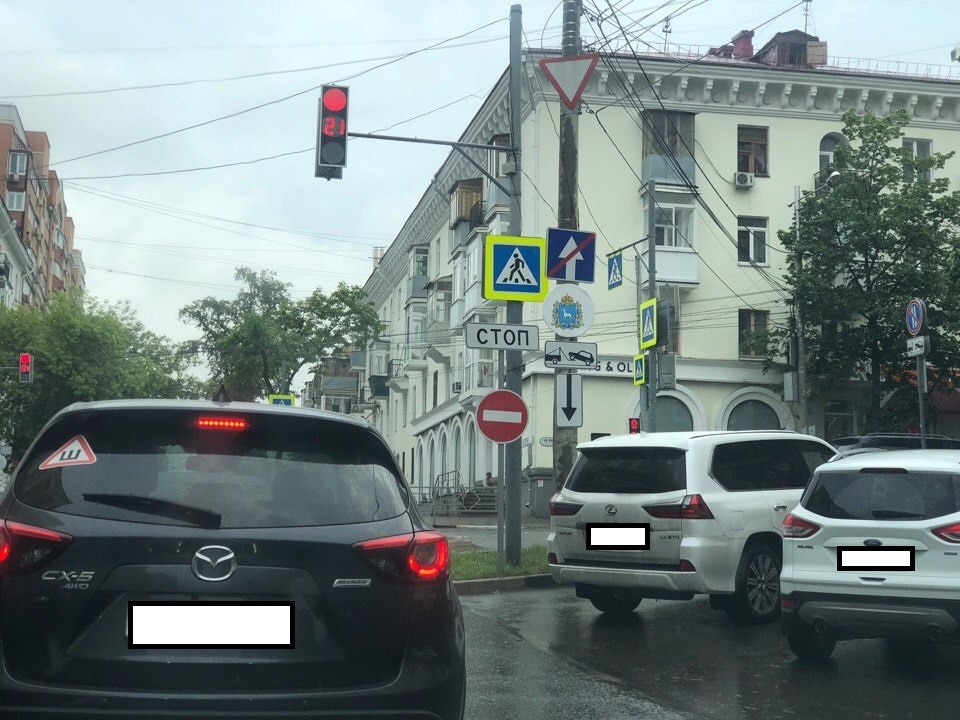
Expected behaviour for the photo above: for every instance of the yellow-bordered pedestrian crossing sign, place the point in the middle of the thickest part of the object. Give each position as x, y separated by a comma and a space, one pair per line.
648, 324
515, 268
640, 369
282, 399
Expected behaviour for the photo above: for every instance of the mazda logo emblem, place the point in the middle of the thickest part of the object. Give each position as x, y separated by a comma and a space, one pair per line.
611, 509
214, 563
872, 542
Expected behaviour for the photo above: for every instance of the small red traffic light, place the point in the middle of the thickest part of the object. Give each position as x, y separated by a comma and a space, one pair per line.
334, 99
633, 425
26, 367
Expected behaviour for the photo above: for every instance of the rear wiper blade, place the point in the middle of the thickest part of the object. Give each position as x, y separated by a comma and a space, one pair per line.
882, 514
156, 506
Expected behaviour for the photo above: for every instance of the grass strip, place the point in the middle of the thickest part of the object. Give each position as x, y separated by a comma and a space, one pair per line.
482, 564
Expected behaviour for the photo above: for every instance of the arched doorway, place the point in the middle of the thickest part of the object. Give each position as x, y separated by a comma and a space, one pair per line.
753, 415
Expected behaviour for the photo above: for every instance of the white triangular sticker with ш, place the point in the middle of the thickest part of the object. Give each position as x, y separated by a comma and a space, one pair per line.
76, 451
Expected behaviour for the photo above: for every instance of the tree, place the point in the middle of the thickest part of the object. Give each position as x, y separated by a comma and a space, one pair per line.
879, 235
82, 351
257, 342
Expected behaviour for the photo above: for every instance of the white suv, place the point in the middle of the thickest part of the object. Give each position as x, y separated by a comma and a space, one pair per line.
669, 515
873, 550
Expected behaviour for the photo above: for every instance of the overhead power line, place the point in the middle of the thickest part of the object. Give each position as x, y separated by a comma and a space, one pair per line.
271, 102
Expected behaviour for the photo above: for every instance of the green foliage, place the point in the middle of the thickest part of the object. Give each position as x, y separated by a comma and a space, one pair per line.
869, 243
82, 350
257, 342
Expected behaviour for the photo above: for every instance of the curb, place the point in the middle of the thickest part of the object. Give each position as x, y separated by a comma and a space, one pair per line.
495, 585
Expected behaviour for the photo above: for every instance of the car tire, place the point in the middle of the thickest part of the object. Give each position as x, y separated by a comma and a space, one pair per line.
809, 645
757, 596
615, 602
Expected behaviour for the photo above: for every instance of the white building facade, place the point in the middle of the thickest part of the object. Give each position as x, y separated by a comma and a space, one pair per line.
745, 128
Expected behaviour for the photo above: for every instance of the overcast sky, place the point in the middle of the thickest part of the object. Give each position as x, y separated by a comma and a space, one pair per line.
64, 46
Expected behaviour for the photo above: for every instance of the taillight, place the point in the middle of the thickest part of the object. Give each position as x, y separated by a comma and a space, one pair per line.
423, 557
221, 423
24, 548
795, 527
692, 507
558, 508
949, 533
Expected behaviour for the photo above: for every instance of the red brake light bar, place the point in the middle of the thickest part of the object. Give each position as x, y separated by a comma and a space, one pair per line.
221, 423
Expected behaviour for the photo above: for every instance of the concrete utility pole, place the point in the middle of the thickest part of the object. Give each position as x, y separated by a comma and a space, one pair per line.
653, 366
801, 335
513, 453
565, 438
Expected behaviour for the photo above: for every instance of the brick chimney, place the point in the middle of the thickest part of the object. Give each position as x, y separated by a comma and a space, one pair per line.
743, 45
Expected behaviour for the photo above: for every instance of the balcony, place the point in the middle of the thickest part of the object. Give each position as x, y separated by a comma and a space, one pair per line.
358, 361
663, 169
378, 386
417, 287
497, 197
477, 215
461, 233
676, 266
396, 379
337, 386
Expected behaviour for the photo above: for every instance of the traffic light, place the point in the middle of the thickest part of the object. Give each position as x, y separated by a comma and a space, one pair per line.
332, 133
633, 426
26, 367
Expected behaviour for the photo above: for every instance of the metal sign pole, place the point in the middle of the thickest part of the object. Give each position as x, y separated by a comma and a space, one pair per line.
501, 525
922, 390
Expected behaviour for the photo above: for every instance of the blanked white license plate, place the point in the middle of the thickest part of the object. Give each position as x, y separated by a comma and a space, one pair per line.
876, 558
209, 624
618, 536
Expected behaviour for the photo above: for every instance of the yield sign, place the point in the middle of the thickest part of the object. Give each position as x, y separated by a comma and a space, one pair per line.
502, 416
569, 75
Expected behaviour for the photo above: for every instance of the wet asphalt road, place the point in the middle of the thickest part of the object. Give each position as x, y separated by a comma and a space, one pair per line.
546, 654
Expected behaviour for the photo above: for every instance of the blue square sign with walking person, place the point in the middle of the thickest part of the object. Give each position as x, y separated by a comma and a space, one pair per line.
514, 268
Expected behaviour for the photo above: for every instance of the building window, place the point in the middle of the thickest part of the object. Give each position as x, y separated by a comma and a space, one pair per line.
752, 240
673, 226
673, 415
17, 163
753, 415
16, 201
828, 146
500, 157
421, 260
797, 54
752, 150
839, 420
918, 149
752, 323
668, 133
436, 387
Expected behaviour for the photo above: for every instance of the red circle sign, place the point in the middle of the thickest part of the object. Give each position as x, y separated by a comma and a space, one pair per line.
502, 416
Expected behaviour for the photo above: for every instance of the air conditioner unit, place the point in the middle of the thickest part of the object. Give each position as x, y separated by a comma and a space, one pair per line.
13, 177
456, 388
743, 180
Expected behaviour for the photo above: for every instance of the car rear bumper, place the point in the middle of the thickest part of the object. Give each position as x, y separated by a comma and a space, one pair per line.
857, 616
657, 581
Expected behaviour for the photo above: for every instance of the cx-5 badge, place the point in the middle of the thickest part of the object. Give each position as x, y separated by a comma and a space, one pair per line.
214, 563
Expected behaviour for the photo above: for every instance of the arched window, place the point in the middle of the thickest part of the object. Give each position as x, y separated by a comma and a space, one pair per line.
673, 415
471, 455
828, 146
753, 415
457, 458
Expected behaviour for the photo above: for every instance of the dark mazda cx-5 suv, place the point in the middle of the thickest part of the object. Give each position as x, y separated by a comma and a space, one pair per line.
203, 559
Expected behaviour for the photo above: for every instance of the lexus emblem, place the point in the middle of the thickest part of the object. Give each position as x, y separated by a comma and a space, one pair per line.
611, 509
214, 563
873, 542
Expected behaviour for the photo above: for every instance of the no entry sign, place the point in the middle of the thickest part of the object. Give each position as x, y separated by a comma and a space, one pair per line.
502, 416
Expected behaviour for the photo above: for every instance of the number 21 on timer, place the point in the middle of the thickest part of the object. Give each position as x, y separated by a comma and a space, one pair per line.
334, 127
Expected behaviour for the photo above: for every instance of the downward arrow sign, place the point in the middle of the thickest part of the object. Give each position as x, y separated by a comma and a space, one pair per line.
569, 410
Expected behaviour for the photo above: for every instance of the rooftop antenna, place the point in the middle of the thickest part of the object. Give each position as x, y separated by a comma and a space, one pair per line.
806, 15
666, 34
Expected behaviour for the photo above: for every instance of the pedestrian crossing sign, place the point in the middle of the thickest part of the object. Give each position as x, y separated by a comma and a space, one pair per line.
614, 271
640, 369
515, 268
648, 324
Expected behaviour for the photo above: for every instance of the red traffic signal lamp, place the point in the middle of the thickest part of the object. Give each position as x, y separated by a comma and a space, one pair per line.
26, 367
633, 426
332, 132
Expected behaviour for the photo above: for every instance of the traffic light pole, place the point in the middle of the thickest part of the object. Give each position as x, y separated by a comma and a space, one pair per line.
565, 438
513, 453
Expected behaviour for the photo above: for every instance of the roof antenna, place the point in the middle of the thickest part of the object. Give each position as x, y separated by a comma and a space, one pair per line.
221, 396
806, 16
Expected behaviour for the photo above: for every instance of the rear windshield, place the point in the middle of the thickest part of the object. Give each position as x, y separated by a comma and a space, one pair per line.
629, 470
882, 496
278, 472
